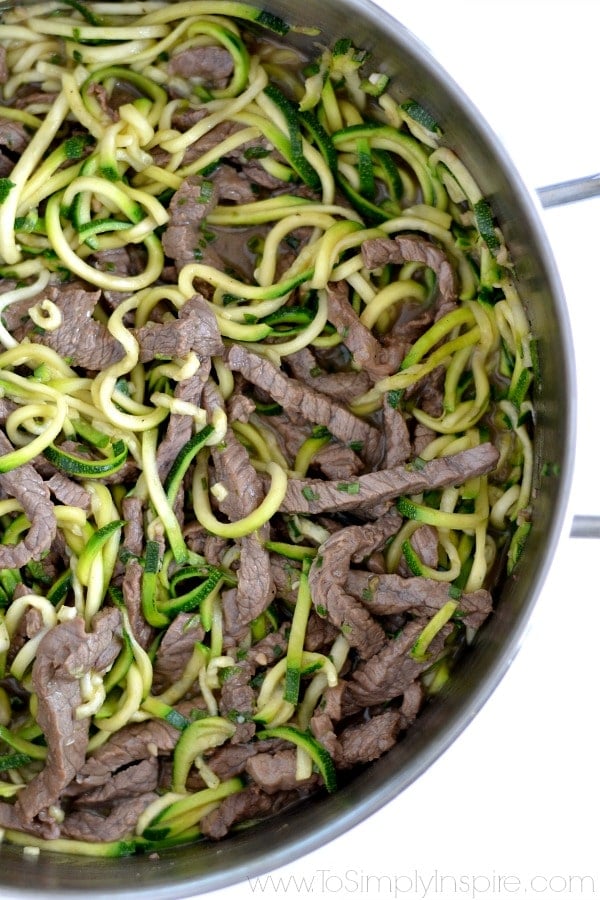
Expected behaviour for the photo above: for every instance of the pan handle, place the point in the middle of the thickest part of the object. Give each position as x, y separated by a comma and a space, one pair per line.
585, 527
557, 195
569, 191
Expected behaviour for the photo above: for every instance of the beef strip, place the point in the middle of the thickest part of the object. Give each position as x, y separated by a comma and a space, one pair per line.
180, 427
188, 207
237, 700
133, 530
342, 386
195, 329
132, 597
397, 436
378, 252
11, 817
210, 65
65, 653
390, 671
69, 492
386, 595
251, 803
328, 575
13, 136
274, 772
315, 496
132, 743
337, 462
136, 779
174, 651
365, 741
119, 823
367, 353
28, 487
304, 403
425, 542
79, 338
234, 471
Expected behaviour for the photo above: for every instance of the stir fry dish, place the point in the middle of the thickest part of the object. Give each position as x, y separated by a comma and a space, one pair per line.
266, 419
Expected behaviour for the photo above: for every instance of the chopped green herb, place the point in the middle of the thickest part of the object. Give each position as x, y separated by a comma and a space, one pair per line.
6, 186
348, 487
309, 494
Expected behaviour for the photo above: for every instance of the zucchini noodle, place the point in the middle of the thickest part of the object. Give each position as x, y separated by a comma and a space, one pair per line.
267, 425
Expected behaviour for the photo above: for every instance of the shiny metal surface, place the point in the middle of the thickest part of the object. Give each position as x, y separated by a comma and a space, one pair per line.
203, 868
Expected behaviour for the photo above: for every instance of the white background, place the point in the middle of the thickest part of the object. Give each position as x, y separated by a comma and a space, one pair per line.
518, 793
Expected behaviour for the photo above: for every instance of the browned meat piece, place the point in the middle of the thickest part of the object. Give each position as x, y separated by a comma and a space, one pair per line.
189, 206
71, 493
341, 386
79, 338
210, 65
367, 740
28, 487
389, 673
317, 496
328, 576
196, 329
378, 252
136, 779
174, 651
64, 654
132, 596
89, 825
304, 403
132, 743
391, 594
274, 772
367, 353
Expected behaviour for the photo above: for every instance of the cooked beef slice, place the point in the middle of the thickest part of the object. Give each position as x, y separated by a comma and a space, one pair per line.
378, 252
274, 772
425, 542
175, 648
69, 492
367, 353
255, 589
79, 338
132, 597
180, 427
397, 436
136, 779
342, 386
28, 487
237, 700
315, 496
132, 743
89, 825
188, 207
390, 671
251, 803
11, 817
195, 329
13, 136
327, 579
386, 595
133, 530
337, 462
365, 741
305, 404
209, 65
244, 492
65, 653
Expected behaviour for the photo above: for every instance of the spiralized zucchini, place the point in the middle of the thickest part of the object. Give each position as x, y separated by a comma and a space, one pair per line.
110, 111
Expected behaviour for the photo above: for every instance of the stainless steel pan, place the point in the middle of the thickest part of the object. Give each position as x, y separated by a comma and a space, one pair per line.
203, 868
